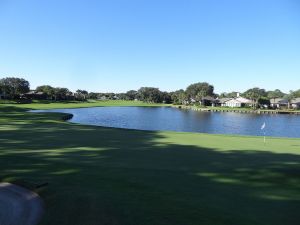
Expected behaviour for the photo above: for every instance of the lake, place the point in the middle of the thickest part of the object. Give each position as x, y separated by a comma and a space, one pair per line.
173, 119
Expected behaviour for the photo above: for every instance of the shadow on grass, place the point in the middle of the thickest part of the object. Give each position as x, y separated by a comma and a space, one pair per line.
114, 176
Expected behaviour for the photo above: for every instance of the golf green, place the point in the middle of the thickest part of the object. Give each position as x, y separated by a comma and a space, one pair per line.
115, 176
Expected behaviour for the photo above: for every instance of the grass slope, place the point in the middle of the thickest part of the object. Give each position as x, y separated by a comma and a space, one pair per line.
78, 104
125, 177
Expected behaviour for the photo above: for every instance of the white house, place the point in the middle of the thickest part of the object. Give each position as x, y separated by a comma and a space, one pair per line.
232, 103
296, 103
244, 100
235, 102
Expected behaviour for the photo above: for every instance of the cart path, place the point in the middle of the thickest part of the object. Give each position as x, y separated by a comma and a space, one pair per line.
19, 206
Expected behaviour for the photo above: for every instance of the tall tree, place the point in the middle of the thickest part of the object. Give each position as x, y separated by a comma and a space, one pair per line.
61, 93
150, 94
166, 97
296, 94
13, 87
93, 95
131, 95
81, 94
275, 94
47, 89
198, 91
255, 94
179, 97
229, 95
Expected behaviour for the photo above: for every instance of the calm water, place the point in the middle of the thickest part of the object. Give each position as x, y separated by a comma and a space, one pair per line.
167, 118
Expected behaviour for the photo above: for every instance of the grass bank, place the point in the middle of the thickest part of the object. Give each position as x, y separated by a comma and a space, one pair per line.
78, 104
113, 176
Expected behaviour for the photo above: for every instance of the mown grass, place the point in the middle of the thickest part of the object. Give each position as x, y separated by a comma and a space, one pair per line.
114, 176
80, 104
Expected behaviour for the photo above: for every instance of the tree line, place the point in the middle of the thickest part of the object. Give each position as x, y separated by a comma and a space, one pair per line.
16, 88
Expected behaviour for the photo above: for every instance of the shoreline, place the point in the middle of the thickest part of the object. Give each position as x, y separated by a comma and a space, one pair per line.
236, 110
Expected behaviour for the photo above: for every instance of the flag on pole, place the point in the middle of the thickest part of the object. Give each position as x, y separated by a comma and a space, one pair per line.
263, 129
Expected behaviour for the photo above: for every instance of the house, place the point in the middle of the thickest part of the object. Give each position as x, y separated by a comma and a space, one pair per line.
244, 101
221, 101
296, 103
279, 103
34, 95
235, 102
208, 101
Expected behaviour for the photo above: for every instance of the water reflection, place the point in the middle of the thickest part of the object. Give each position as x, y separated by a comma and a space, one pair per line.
168, 118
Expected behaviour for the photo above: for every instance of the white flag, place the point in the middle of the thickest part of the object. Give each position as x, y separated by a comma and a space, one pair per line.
263, 126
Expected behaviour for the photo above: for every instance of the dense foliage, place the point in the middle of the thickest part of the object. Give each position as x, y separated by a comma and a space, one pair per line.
198, 91
12, 87
16, 88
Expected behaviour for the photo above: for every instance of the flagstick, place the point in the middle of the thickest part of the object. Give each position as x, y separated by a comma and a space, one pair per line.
263, 130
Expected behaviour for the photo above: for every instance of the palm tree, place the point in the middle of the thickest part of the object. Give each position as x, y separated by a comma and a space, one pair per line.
275, 94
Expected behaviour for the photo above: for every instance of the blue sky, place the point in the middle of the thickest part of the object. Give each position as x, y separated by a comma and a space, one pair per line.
117, 45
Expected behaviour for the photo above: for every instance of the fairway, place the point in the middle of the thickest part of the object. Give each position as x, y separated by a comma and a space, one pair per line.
112, 176
78, 104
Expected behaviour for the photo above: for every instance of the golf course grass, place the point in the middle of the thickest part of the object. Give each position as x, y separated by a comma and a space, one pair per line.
112, 176
77, 104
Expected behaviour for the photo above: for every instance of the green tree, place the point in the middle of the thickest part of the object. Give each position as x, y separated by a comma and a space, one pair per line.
13, 87
131, 95
47, 89
166, 97
178, 97
81, 94
255, 94
275, 94
122, 96
93, 95
229, 95
150, 94
198, 91
61, 93
296, 94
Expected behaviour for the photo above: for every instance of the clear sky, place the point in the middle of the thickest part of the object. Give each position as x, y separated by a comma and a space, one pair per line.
117, 45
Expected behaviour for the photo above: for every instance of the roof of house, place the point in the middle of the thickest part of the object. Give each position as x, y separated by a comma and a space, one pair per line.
243, 100
209, 98
233, 100
279, 101
223, 100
